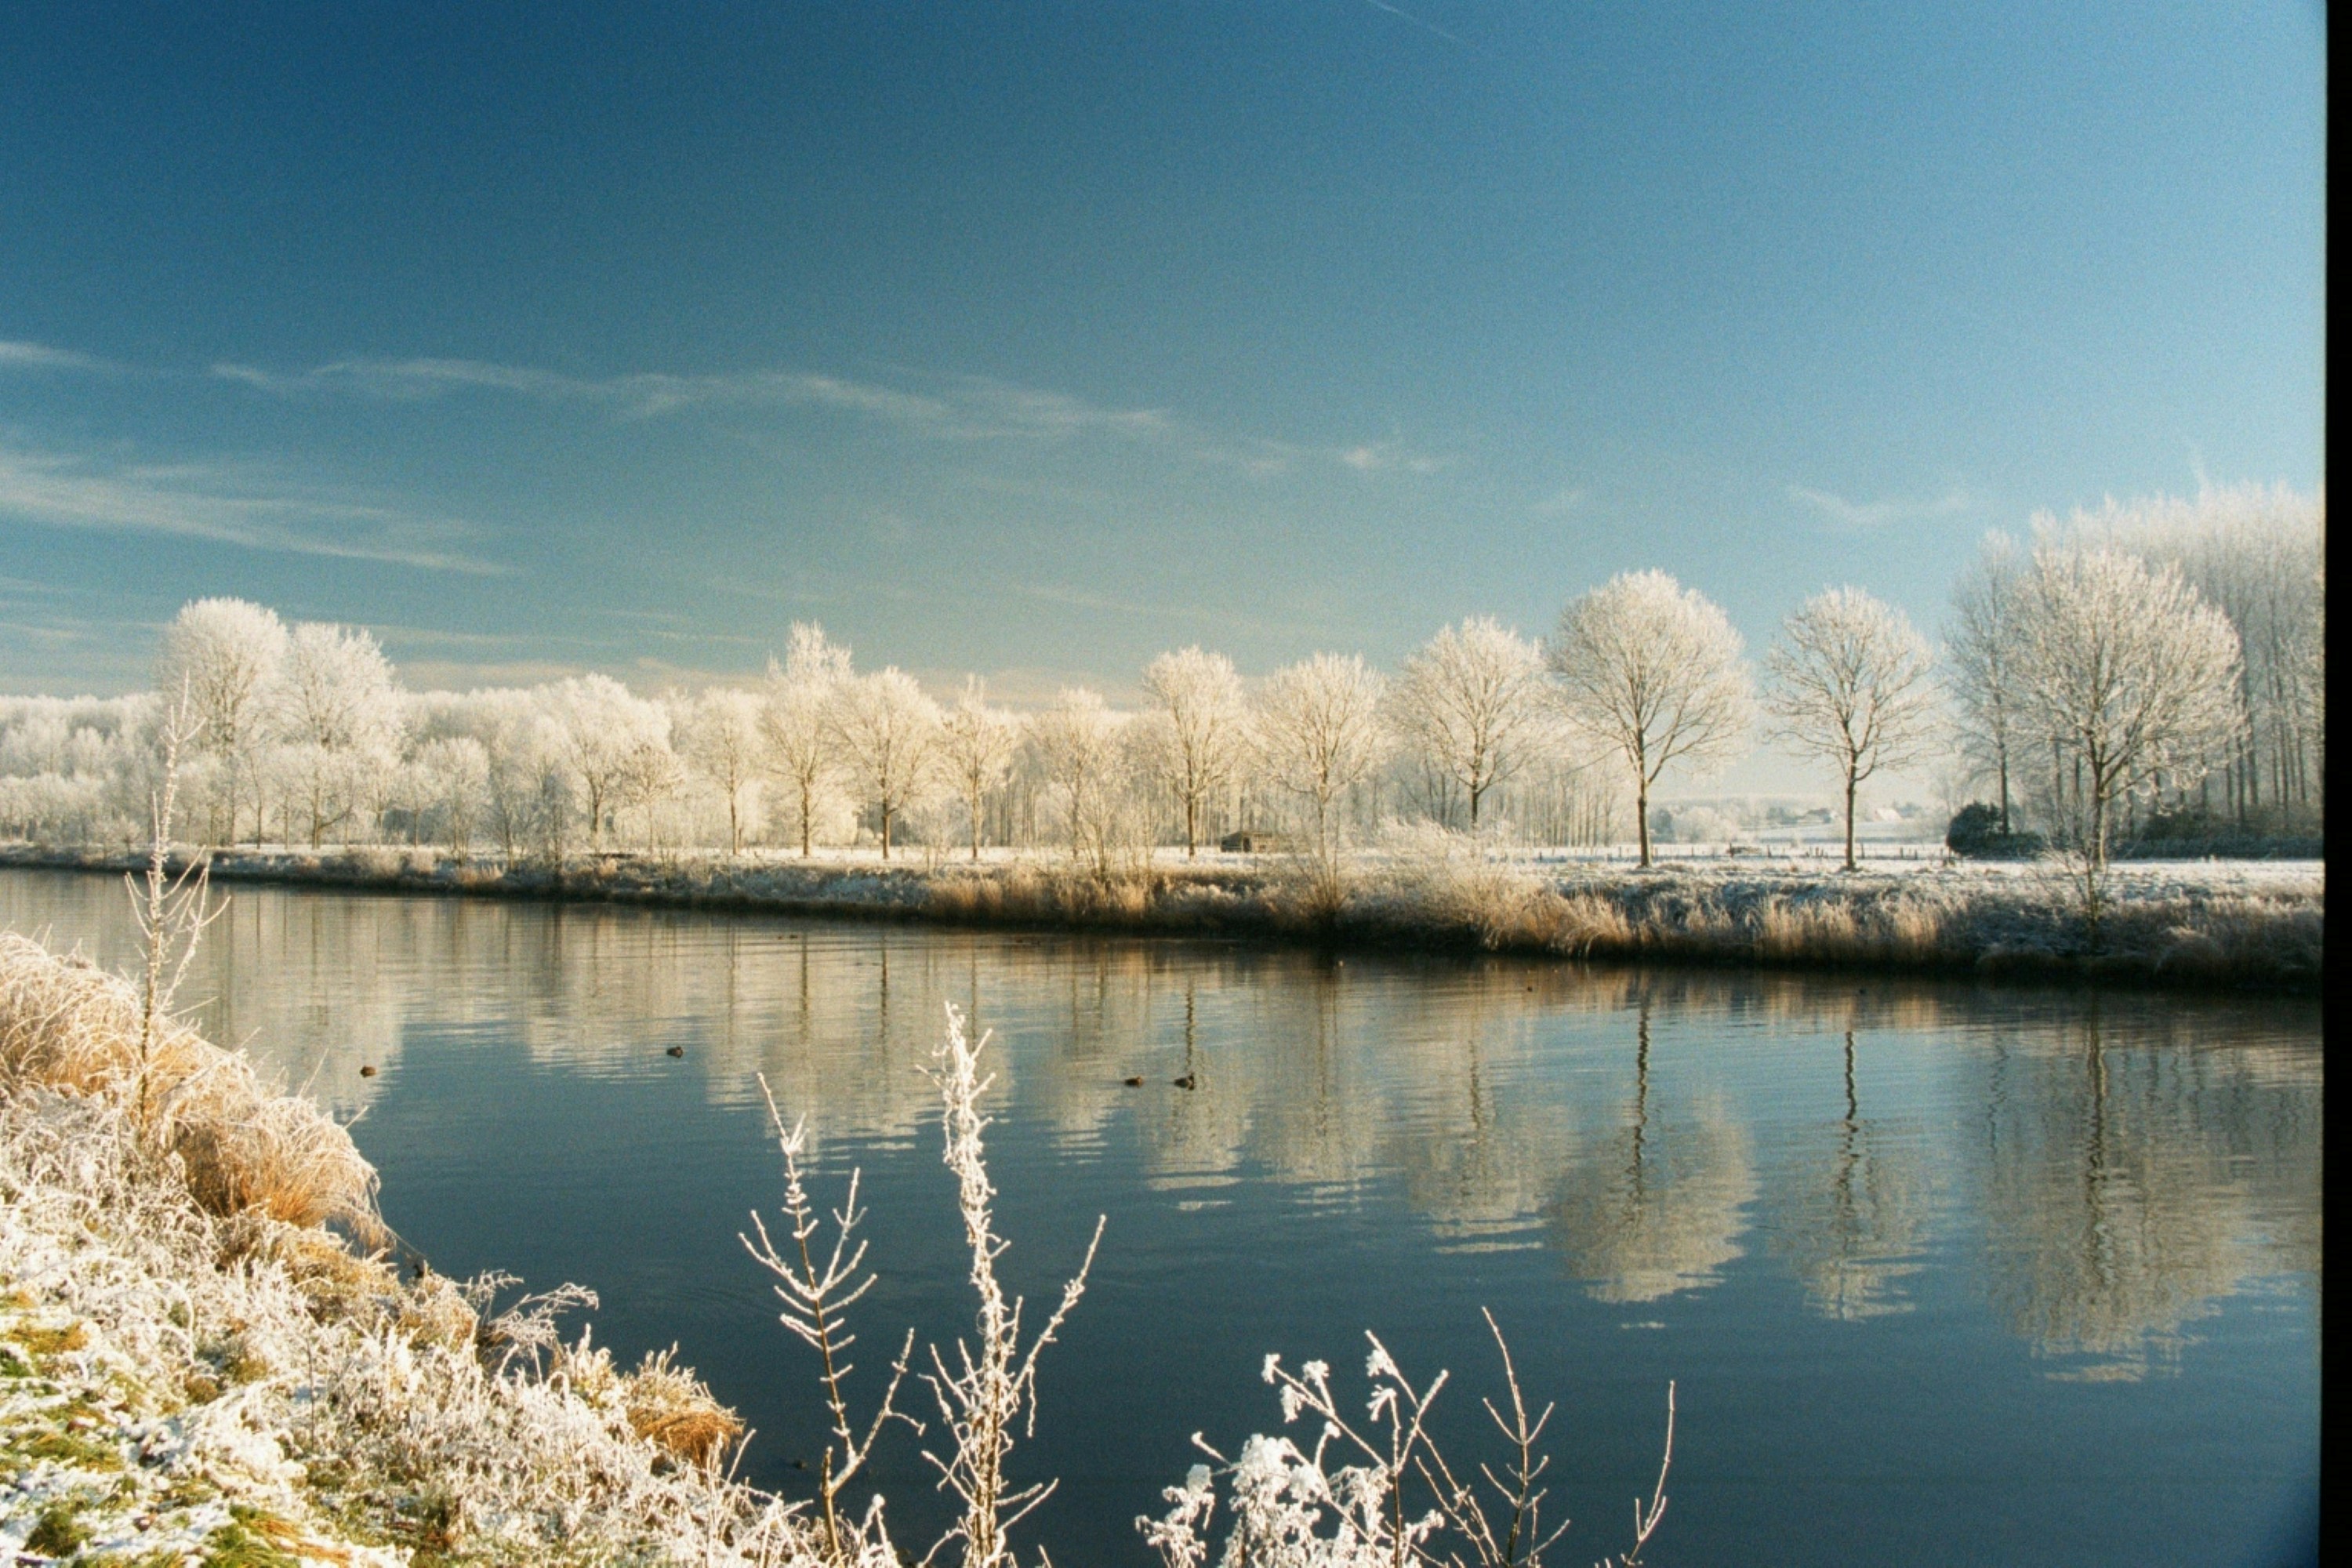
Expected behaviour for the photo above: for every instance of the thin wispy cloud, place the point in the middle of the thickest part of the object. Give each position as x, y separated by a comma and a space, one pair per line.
1863, 517
637, 396
1025, 410
1381, 457
959, 409
1427, 26
969, 407
17, 356
224, 504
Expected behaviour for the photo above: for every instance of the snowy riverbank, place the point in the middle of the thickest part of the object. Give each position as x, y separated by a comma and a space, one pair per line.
199, 1364
2241, 924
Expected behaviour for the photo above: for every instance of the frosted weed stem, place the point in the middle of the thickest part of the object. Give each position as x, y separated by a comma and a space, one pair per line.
816, 1300
172, 913
992, 1387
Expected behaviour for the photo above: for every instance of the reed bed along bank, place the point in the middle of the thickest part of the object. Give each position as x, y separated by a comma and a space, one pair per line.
2215, 923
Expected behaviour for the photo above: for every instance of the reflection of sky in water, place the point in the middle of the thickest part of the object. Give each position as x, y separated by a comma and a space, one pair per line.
1856, 1220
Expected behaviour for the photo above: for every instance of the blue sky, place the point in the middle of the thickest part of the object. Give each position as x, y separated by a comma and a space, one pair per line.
1033, 340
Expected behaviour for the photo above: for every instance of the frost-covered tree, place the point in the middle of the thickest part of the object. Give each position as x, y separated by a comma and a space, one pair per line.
453, 774
1848, 684
1078, 745
2254, 553
888, 734
651, 778
1982, 652
1198, 736
336, 708
1653, 671
2127, 676
1472, 704
525, 787
335, 690
721, 737
797, 722
602, 730
1315, 732
976, 747
225, 654
76, 770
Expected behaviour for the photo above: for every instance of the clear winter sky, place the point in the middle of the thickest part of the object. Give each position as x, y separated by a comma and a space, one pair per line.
1038, 338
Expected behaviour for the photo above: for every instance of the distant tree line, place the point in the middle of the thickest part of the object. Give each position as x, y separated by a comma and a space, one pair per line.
2159, 663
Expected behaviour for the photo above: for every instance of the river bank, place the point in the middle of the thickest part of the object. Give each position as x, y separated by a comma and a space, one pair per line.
2188, 924
206, 1357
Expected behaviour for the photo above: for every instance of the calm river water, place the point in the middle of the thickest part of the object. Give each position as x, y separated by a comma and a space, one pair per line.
1943, 1274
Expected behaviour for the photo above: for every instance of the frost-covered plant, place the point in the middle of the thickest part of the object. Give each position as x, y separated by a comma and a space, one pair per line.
1342, 1502
267, 1361
817, 1297
991, 1387
1466, 881
171, 912
985, 1388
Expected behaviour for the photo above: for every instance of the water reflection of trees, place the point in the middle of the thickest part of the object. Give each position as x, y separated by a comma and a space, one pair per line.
2128, 1183
2121, 1172
1660, 1203
1850, 1210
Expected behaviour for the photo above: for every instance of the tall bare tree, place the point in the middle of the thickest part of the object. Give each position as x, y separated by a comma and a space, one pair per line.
721, 740
1077, 740
336, 705
1850, 684
2127, 676
2254, 553
1200, 729
1472, 702
889, 733
224, 654
976, 747
1986, 643
1317, 732
604, 732
1653, 671
803, 749
454, 773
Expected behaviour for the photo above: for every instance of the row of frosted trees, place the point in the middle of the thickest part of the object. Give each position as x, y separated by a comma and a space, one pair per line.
2158, 659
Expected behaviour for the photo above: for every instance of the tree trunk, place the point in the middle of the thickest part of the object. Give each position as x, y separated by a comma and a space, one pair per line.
975, 826
886, 829
2098, 850
1191, 820
1475, 791
1641, 812
1849, 818
2001, 766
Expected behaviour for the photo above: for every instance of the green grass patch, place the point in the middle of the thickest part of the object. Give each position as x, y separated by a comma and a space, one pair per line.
60, 1532
249, 1540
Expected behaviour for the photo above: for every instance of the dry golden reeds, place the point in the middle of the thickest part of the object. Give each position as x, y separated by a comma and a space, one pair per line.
67, 1026
672, 1409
